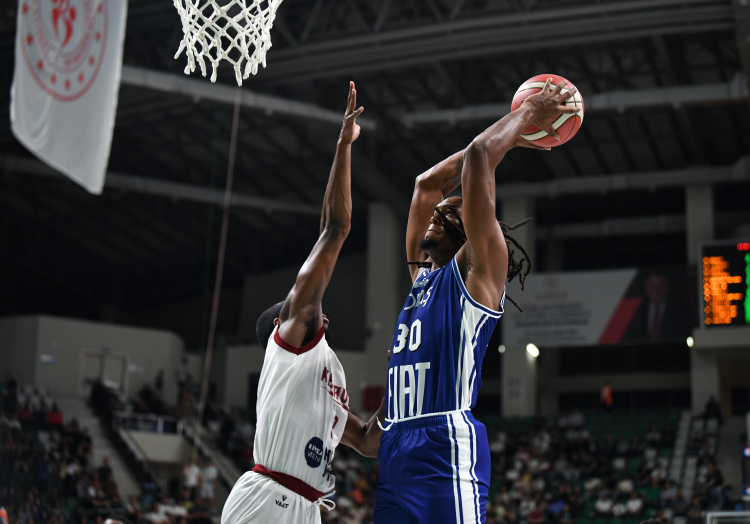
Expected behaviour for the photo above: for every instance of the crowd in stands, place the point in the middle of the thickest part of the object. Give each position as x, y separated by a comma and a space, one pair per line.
47, 474
561, 473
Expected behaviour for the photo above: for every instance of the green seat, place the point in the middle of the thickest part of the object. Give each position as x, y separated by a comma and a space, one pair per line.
615, 521
653, 494
631, 520
584, 520
600, 520
665, 452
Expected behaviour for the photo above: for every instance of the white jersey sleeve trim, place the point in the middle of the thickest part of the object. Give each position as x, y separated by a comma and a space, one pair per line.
465, 292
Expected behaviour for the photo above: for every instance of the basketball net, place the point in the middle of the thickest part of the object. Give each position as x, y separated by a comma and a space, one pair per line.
215, 28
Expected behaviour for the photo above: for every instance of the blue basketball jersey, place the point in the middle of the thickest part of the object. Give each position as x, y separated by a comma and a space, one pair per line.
440, 341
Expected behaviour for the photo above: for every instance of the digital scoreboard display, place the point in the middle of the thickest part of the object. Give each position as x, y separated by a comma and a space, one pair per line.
726, 284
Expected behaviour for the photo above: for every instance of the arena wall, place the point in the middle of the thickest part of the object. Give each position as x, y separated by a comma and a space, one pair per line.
49, 352
235, 364
343, 302
18, 341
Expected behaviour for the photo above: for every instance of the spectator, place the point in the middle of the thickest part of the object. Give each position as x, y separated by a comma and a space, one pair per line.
54, 418
603, 506
619, 509
653, 437
635, 504
695, 444
182, 373
208, 483
605, 397
104, 471
159, 383
680, 505
625, 486
695, 511
185, 408
668, 496
566, 517
191, 475
199, 514
667, 436
715, 485
11, 394
26, 416
576, 419
636, 447
713, 410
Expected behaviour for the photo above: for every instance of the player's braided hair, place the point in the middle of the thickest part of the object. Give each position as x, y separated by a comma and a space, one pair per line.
515, 267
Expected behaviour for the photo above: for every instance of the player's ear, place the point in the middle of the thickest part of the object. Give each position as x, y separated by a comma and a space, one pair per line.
276, 321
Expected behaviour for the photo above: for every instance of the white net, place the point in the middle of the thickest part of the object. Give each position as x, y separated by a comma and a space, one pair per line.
233, 30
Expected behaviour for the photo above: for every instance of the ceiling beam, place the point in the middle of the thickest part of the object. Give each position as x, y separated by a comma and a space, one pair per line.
203, 89
728, 92
495, 34
741, 10
739, 172
648, 225
165, 188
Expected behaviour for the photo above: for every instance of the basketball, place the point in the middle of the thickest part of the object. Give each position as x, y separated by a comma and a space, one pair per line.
565, 125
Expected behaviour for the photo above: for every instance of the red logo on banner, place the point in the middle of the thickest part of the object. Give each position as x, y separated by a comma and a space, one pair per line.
65, 40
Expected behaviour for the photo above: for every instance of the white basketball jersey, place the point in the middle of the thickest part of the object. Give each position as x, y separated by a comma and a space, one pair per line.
302, 410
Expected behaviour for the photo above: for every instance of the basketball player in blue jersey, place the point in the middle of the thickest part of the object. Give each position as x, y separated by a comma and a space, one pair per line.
435, 461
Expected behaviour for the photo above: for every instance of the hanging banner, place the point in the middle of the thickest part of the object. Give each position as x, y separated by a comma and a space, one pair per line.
66, 81
600, 307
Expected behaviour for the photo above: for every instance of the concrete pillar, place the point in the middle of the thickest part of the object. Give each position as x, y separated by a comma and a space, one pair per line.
519, 383
704, 378
514, 210
553, 255
385, 259
699, 218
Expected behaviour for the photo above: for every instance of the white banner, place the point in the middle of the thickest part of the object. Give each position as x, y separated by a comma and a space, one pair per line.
566, 309
66, 81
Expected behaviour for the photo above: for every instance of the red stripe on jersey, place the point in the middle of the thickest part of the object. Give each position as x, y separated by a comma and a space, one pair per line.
291, 483
304, 349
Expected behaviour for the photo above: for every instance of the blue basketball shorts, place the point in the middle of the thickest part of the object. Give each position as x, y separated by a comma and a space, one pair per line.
434, 470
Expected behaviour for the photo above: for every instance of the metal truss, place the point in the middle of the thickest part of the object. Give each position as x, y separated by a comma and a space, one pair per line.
165, 188
739, 172
488, 33
203, 89
676, 96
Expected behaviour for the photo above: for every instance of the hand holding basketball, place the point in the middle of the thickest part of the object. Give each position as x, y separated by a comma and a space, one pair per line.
350, 129
557, 109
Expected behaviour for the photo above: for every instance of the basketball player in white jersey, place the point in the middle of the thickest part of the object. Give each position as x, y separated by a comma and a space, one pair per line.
303, 405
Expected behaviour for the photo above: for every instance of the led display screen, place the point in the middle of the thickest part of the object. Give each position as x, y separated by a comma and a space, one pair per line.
725, 274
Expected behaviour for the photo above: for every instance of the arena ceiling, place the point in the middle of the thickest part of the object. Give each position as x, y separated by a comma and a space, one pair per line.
416, 63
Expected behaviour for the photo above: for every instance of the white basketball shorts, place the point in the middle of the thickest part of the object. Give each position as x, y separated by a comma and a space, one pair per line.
257, 499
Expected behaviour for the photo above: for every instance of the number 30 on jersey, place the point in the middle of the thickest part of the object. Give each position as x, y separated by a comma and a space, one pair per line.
414, 334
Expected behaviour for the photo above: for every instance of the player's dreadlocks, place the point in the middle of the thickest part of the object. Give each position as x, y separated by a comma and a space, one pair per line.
515, 267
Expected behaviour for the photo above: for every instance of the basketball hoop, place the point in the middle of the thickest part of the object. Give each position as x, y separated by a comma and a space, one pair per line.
213, 31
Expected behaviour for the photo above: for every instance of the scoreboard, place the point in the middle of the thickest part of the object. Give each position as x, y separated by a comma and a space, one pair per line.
725, 274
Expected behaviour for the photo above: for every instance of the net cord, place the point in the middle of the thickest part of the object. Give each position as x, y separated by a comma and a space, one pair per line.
219, 274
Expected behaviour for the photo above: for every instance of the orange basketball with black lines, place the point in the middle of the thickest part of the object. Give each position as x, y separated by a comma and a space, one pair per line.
565, 125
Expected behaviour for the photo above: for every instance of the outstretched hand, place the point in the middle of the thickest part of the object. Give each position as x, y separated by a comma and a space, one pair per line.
350, 129
548, 104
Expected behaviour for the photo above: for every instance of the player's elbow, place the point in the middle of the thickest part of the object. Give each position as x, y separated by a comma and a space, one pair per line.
478, 151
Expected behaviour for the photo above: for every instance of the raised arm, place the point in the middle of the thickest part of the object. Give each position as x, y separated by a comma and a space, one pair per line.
485, 251
430, 188
302, 310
